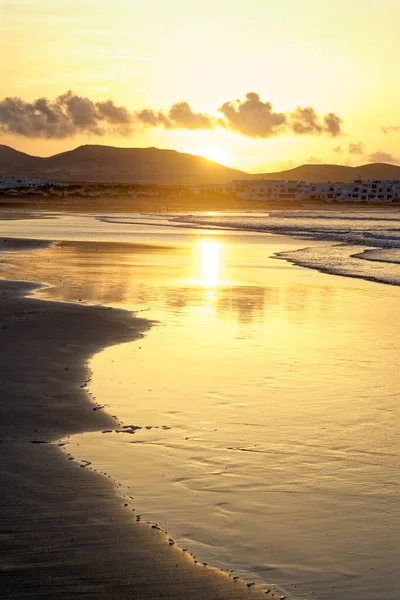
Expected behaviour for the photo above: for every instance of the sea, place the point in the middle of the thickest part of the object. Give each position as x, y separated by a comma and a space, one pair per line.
259, 413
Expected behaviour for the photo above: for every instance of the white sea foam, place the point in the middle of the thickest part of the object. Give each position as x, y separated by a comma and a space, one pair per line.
367, 244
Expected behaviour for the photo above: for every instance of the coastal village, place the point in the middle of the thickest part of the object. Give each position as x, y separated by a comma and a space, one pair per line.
381, 191
9, 183
374, 191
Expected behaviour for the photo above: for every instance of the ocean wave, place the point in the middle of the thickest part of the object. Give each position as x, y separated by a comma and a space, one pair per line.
363, 245
347, 261
360, 244
391, 256
359, 216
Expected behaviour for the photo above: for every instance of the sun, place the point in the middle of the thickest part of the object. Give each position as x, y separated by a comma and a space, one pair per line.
213, 153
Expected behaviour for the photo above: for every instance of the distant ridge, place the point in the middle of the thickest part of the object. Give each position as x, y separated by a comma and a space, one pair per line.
12, 160
107, 164
325, 173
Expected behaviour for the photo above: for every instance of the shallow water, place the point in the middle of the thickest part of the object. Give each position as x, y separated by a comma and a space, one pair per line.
267, 398
362, 244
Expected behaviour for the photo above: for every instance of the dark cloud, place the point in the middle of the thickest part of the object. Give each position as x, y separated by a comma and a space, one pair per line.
305, 121
383, 157
333, 124
356, 148
183, 117
253, 118
81, 112
63, 117
115, 114
179, 116
153, 119
37, 119
70, 114
391, 129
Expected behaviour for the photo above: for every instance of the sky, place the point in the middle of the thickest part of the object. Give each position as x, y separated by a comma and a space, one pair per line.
260, 85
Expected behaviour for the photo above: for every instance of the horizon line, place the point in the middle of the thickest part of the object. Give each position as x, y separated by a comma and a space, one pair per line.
301, 165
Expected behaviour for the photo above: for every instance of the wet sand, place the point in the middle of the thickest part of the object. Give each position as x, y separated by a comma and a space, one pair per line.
272, 311
65, 531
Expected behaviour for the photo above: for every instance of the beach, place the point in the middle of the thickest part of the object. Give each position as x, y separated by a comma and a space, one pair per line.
70, 530
65, 531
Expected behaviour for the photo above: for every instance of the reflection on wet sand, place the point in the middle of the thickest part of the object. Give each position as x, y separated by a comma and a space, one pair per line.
210, 264
202, 274
265, 402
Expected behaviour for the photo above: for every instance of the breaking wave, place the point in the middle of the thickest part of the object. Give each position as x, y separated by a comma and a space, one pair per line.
364, 245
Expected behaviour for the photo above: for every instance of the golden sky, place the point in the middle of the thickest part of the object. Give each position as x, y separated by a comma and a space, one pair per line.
339, 57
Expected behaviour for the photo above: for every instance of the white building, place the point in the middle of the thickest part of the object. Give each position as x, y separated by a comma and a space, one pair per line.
15, 182
379, 190
386, 191
222, 189
275, 190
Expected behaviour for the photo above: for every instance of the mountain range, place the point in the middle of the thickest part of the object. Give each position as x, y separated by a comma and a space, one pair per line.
107, 164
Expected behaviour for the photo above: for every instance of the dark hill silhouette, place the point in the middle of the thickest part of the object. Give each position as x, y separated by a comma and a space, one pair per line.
15, 162
119, 165
324, 173
106, 164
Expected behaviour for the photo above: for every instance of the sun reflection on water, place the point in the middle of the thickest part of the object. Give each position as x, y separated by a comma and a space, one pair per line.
210, 263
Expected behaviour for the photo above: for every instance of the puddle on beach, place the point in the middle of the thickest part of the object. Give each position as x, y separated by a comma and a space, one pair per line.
266, 400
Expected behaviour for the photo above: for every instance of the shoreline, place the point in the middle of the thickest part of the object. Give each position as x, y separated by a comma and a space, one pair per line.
67, 533
327, 271
60, 262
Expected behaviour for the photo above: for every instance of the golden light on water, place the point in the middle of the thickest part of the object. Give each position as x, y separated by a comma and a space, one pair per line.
210, 263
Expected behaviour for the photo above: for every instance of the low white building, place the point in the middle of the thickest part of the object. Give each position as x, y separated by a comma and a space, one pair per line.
275, 190
223, 189
15, 182
386, 191
379, 190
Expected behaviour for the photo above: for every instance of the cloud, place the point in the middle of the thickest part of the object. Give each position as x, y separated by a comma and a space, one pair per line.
305, 120
182, 116
152, 118
356, 148
313, 161
115, 114
383, 157
257, 119
391, 129
253, 118
70, 114
63, 117
179, 116
338, 149
333, 124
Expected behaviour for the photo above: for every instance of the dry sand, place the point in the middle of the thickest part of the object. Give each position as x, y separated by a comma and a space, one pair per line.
65, 531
